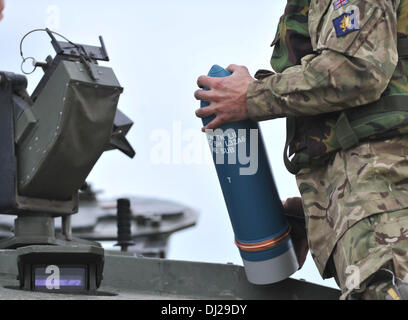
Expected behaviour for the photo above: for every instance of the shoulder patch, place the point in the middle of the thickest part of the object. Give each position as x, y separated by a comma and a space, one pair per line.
339, 3
346, 23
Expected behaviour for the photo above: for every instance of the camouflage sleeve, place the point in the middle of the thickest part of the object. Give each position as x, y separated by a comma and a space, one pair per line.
356, 55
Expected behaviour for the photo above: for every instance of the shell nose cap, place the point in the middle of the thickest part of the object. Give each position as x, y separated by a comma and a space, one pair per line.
216, 69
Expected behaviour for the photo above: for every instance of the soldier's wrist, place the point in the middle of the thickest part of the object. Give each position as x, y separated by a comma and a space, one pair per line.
257, 101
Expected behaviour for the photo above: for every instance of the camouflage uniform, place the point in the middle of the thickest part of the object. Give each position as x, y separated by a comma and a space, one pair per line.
355, 199
357, 184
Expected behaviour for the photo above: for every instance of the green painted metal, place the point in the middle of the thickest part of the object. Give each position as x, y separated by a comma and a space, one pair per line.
128, 277
75, 119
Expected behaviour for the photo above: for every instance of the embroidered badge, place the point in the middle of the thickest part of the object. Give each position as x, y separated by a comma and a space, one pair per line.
339, 3
346, 23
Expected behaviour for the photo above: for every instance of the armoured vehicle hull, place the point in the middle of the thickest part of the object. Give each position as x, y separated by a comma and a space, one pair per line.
127, 277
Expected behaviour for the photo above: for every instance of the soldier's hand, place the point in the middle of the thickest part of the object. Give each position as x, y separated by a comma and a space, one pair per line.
227, 97
1, 8
296, 218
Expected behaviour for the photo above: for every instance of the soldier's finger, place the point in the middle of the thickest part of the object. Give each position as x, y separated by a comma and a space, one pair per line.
233, 68
216, 123
203, 95
205, 112
205, 82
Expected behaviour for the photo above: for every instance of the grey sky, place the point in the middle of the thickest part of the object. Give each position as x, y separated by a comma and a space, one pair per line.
157, 50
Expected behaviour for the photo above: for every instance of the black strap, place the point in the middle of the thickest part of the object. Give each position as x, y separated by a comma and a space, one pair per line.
403, 47
290, 136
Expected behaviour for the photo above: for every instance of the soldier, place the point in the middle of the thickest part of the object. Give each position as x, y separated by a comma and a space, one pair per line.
1, 8
342, 84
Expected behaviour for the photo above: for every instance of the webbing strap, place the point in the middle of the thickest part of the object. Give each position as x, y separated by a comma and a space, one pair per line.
385, 104
344, 132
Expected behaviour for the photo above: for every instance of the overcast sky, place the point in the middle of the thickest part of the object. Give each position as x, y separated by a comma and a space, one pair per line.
158, 49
